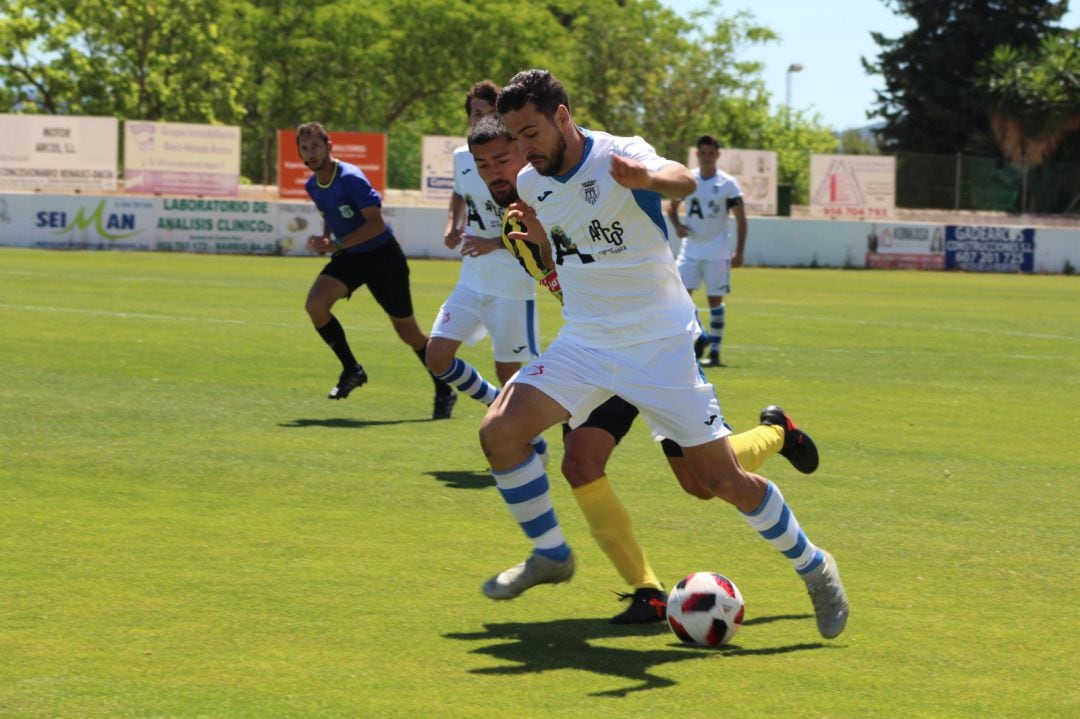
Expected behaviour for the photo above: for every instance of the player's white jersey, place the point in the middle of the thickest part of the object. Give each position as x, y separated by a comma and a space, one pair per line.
496, 273
620, 285
707, 211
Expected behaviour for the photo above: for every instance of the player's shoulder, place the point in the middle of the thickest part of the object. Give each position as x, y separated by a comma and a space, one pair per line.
625, 144
463, 160
350, 172
726, 180
527, 179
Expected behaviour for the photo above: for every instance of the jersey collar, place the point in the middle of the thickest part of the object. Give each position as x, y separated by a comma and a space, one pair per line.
332, 177
584, 156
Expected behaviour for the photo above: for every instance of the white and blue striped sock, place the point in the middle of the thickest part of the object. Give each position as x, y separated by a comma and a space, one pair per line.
525, 490
716, 327
465, 378
774, 520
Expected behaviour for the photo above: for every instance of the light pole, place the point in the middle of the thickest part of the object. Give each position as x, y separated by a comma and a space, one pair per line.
792, 68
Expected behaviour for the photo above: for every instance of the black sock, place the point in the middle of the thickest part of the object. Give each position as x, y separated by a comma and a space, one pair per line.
333, 334
441, 388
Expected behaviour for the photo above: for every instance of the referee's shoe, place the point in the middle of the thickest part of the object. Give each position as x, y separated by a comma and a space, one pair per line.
444, 405
349, 380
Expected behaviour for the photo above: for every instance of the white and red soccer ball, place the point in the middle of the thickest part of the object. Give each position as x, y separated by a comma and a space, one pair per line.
705, 609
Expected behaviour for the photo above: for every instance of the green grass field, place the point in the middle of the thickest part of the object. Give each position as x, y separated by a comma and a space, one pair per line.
190, 529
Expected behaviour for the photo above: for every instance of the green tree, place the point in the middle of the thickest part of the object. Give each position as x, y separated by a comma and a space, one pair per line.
854, 141
150, 60
932, 101
400, 66
636, 67
1035, 97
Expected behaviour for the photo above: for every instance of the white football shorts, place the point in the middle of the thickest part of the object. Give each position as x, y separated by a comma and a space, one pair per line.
467, 316
661, 378
716, 274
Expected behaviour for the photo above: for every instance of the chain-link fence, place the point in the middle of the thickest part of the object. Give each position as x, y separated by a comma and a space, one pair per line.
968, 182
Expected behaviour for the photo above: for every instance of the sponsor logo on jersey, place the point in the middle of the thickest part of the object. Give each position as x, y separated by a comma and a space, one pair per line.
613, 235
466, 171
543, 196
533, 370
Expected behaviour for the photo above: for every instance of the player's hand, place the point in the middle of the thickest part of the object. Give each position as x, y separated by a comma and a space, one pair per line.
453, 237
320, 244
737, 259
477, 246
682, 230
526, 217
629, 173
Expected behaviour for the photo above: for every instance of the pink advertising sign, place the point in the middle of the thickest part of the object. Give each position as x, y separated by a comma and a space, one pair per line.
182, 159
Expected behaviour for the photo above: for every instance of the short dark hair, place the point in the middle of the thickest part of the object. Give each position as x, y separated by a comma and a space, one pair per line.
488, 129
312, 128
708, 140
484, 90
537, 86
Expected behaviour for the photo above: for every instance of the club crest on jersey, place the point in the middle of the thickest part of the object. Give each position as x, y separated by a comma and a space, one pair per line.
345, 211
590, 191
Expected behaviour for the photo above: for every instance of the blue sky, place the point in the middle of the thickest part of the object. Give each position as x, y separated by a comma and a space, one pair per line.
827, 37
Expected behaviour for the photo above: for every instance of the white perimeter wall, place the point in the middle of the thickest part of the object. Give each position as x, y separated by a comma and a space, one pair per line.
771, 242
39, 220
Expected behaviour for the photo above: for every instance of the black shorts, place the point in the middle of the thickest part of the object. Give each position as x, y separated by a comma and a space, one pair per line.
384, 271
615, 417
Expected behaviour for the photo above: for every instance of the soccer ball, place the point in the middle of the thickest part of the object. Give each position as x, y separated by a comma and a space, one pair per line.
706, 609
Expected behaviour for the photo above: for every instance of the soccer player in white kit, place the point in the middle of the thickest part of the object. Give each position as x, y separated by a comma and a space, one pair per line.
705, 255
491, 296
628, 331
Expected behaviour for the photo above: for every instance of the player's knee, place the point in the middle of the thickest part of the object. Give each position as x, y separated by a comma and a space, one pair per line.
313, 305
497, 434
580, 467
438, 357
723, 483
687, 480
694, 488
697, 491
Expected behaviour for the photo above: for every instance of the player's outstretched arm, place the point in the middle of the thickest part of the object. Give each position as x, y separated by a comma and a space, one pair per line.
671, 180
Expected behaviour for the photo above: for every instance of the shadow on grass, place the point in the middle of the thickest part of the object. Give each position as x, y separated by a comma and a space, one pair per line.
564, 644
775, 618
344, 423
463, 479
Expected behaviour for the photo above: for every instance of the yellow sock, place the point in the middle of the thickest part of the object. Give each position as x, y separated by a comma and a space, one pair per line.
754, 446
609, 523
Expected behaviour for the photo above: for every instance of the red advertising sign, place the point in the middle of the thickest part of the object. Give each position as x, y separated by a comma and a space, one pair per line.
366, 150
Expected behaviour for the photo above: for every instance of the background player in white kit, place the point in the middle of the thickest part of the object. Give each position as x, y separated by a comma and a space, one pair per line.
492, 296
627, 332
705, 255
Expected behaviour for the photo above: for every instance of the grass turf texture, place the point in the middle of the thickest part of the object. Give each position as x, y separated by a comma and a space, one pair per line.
191, 529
